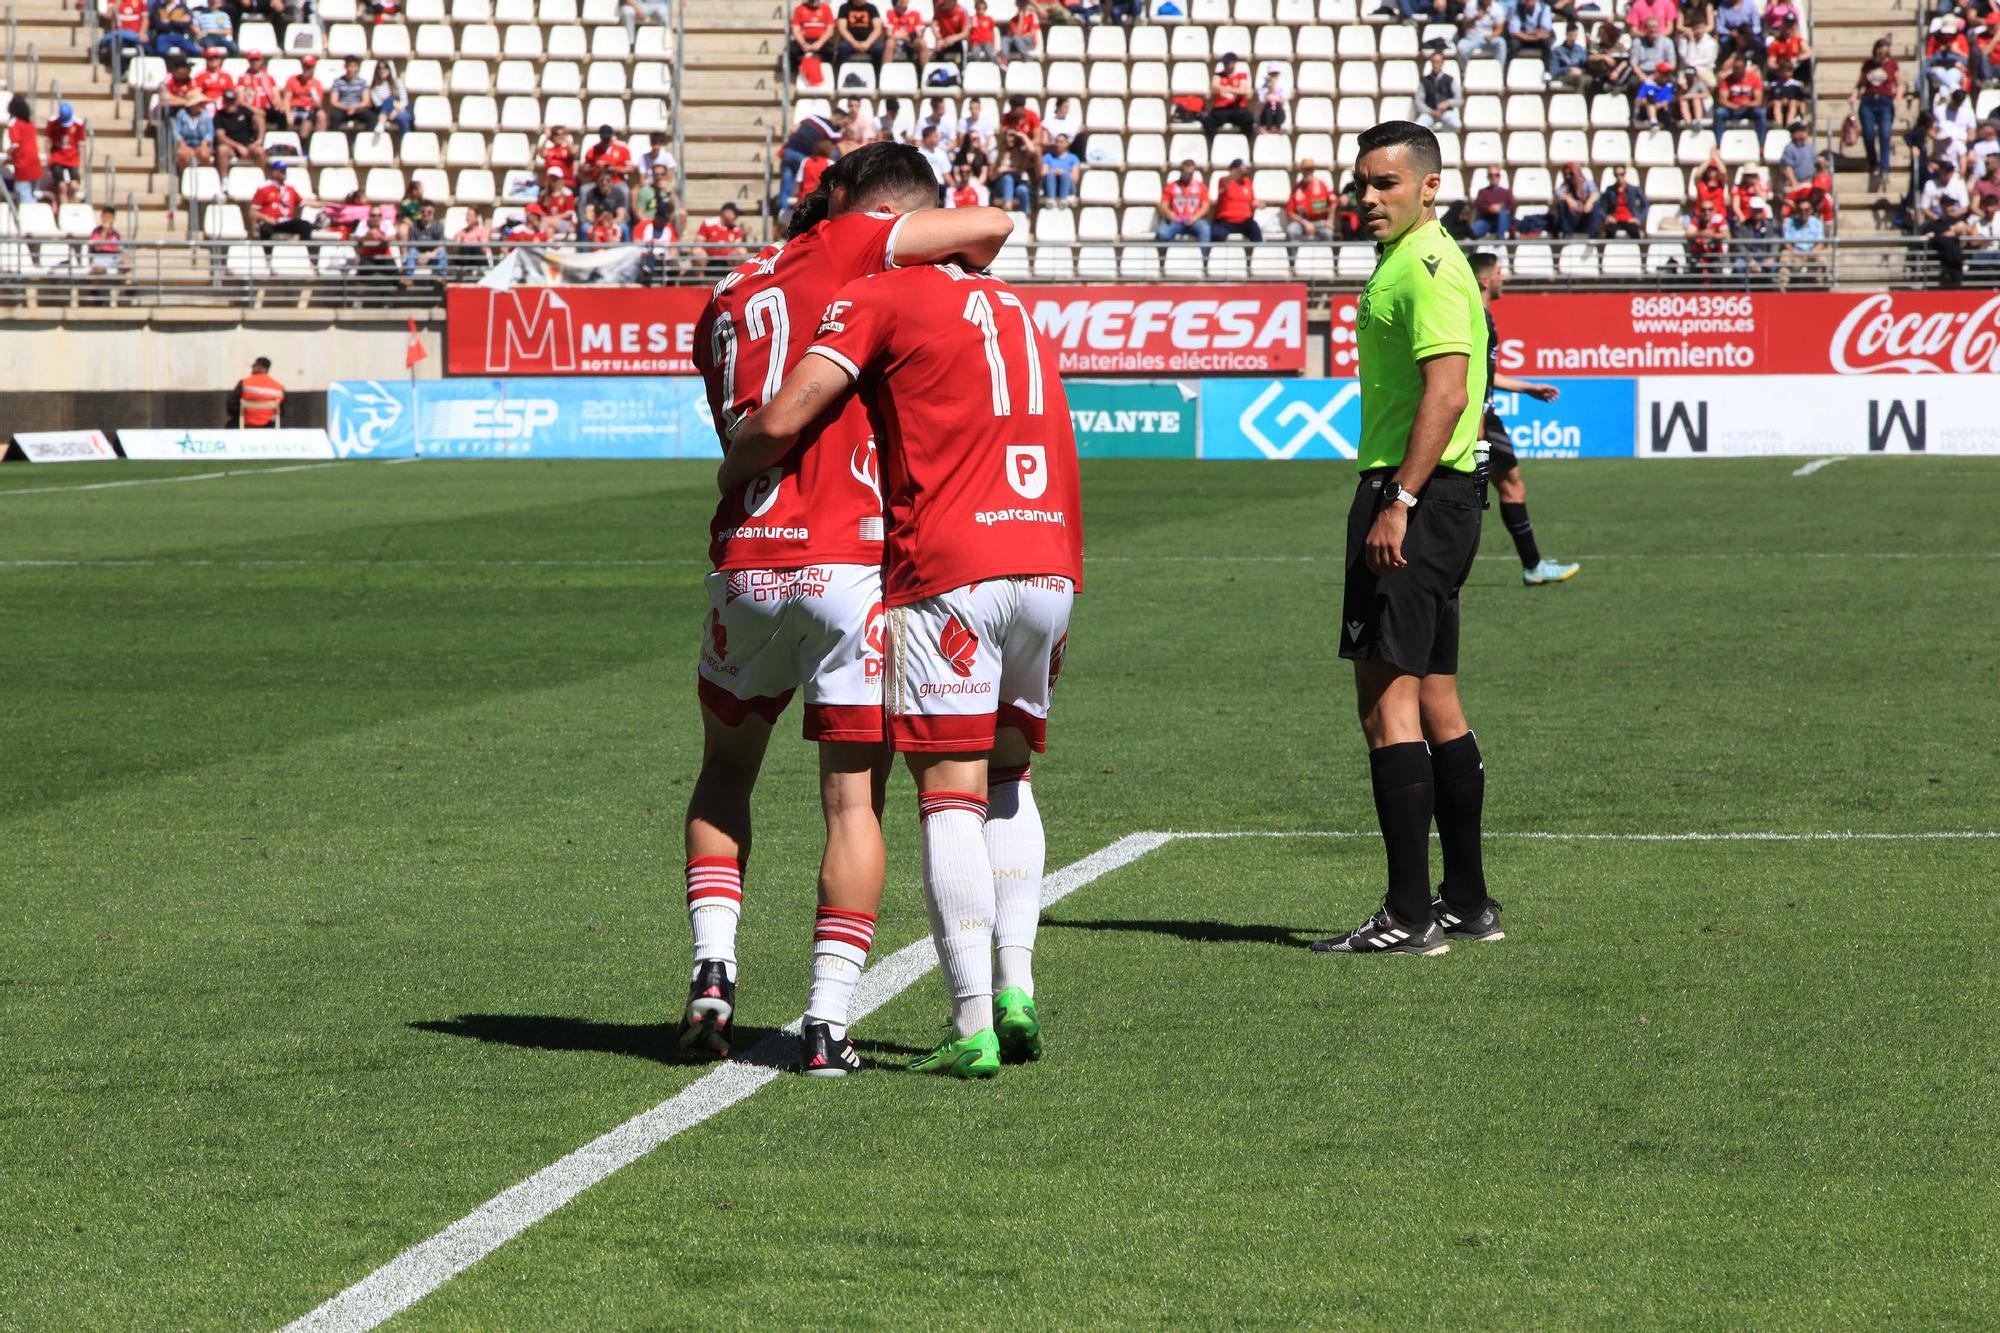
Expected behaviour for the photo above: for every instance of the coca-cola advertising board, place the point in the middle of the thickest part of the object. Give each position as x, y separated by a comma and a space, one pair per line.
1173, 330
571, 330
1720, 333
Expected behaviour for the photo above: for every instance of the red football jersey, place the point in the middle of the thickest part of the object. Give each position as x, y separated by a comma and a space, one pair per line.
823, 505
978, 458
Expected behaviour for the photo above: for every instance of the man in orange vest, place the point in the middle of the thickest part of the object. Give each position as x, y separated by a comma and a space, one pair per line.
257, 397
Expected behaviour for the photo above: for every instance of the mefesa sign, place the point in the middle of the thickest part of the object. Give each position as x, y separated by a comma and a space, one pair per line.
1173, 330
571, 330
1710, 333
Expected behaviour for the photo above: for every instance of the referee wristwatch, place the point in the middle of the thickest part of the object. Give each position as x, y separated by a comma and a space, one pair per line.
1397, 495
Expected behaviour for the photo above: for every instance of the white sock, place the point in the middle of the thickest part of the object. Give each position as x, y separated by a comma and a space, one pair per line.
715, 903
841, 940
958, 890
1015, 847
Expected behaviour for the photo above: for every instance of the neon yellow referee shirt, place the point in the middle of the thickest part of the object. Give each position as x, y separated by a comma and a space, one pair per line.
1421, 302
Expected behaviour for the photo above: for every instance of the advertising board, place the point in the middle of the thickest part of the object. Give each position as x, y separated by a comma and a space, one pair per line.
1797, 415
1133, 418
1321, 419
571, 330
532, 417
64, 446
1158, 330
235, 446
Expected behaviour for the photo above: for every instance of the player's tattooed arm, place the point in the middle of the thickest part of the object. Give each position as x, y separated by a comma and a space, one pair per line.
972, 236
765, 436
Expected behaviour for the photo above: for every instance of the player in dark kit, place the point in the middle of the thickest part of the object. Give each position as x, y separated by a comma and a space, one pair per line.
1412, 533
1502, 467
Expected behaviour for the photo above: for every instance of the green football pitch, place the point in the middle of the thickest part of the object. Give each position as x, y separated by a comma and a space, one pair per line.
342, 874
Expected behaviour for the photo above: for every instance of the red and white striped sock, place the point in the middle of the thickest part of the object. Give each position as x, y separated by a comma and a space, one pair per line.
958, 890
1015, 846
841, 940
715, 902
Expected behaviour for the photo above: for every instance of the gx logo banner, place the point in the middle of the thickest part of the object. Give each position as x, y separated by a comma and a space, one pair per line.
1280, 419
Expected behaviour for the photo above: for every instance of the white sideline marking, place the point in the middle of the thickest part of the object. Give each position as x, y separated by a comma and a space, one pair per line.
1817, 464
168, 481
1537, 835
423, 1268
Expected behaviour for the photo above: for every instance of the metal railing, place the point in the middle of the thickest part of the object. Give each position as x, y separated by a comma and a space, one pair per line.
674, 106
40, 273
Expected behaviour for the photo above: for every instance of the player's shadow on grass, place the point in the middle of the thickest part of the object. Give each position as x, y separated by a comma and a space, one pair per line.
645, 1041
1201, 932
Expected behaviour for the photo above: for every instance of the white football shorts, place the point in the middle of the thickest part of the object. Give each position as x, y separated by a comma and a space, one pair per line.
772, 631
967, 662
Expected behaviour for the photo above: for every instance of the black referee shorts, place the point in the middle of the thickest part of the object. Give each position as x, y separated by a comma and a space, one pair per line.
1410, 618
1500, 459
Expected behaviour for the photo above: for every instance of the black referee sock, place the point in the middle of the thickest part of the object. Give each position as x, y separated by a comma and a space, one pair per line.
1461, 796
1523, 533
1403, 799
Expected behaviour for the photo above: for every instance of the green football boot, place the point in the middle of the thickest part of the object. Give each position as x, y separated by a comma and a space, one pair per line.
976, 1056
1018, 1026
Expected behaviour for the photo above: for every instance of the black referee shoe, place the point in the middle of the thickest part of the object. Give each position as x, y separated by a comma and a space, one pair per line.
1483, 925
1382, 933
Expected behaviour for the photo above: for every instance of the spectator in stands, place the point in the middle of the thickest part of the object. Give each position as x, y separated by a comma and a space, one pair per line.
658, 153
1531, 27
812, 32
1707, 233
259, 91
607, 196
1795, 164
1608, 67
280, 14
808, 133
722, 238
1947, 54
1309, 208
194, 136
1653, 100
24, 151
935, 154
656, 193
390, 100
1083, 12
303, 99
1691, 102
950, 29
1740, 96
1952, 114
172, 26
236, 134
66, 134
1986, 188
1484, 30
982, 40
1493, 207
1273, 102
106, 251
126, 34
470, 253
1437, 96
1575, 202
1564, 69
423, 244
964, 190
1061, 170
1943, 208
557, 153
1024, 34
347, 100
608, 157
970, 153
1665, 13
860, 33
274, 209
1236, 205
979, 120
815, 167
905, 33
1788, 45
1652, 48
554, 210
1184, 208
659, 11
1699, 52
1789, 98
1229, 99
374, 252
213, 79
1017, 173
938, 116
1021, 117
1711, 187
1621, 209
1804, 247
1063, 120
1874, 101
1739, 29
410, 208
213, 27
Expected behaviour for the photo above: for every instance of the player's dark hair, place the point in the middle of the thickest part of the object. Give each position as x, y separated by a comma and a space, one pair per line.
873, 173
1423, 145
1482, 262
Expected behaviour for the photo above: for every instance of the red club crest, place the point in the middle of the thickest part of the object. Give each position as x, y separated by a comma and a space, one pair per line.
718, 637
959, 645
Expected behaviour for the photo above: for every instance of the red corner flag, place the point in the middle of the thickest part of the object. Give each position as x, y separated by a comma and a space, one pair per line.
415, 351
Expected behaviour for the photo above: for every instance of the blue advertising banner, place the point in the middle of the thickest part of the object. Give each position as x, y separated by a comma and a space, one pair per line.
1591, 418
1321, 419
521, 417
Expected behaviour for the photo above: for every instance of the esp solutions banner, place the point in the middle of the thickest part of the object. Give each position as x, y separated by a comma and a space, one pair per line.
1133, 419
571, 330
1155, 330
521, 418
1321, 419
1740, 333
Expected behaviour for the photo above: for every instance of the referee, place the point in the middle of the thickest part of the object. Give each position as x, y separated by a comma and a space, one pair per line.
1411, 536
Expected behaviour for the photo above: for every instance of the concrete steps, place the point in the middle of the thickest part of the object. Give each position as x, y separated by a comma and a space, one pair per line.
730, 94
1844, 33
